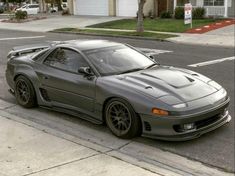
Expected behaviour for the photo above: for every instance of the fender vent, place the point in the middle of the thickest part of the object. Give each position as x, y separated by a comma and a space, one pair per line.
44, 94
147, 126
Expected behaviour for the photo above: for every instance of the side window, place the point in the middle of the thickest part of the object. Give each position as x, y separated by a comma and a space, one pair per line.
66, 59
34, 6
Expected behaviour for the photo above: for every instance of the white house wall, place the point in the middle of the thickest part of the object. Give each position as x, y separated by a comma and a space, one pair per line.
91, 7
126, 7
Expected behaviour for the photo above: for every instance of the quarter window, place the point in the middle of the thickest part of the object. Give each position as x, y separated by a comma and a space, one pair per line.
66, 59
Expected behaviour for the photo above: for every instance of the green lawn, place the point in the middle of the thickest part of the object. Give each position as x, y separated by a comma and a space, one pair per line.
117, 33
163, 25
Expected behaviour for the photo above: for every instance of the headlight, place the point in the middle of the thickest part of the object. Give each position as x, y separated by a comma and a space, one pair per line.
181, 105
214, 84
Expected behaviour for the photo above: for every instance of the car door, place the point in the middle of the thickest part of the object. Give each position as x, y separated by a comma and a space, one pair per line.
63, 84
29, 9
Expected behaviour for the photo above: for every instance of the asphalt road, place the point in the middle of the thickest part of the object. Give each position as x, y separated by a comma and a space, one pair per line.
215, 148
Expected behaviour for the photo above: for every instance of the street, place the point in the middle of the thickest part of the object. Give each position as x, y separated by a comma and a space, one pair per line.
215, 149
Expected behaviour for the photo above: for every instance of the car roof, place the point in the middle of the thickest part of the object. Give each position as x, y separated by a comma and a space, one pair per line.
90, 44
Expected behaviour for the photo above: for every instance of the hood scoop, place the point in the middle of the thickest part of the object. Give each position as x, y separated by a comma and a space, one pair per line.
172, 78
164, 81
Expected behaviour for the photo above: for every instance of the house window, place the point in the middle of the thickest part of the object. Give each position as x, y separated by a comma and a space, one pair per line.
213, 2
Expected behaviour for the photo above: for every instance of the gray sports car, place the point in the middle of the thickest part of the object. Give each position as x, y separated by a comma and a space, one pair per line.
113, 83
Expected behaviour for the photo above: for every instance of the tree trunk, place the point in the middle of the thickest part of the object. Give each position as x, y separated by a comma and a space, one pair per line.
7, 4
140, 25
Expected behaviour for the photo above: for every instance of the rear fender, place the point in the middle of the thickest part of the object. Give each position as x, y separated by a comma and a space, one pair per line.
28, 72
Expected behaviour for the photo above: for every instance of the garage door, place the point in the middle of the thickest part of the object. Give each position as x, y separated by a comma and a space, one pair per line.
91, 7
127, 7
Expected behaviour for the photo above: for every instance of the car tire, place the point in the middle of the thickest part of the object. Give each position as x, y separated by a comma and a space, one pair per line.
24, 92
121, 119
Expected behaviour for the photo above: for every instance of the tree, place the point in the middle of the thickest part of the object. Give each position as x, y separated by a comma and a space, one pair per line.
140, 16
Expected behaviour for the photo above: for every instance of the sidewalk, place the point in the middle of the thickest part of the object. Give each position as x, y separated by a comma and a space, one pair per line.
220, 37
26, 150
29, 148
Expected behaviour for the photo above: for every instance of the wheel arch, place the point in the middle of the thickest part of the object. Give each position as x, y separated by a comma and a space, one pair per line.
27, 77
107, 100
21, 74
113, 97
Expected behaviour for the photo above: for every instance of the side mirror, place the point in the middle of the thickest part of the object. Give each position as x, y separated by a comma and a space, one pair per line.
86, 71
151, 57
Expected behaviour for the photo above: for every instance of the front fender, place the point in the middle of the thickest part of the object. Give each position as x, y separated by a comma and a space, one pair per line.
141, 103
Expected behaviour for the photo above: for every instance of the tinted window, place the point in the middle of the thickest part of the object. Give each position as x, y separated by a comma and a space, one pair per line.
39, 54
66, 59
115, 60
33, 6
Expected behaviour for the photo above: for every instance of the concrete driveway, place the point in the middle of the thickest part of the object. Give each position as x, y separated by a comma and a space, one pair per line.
55, 22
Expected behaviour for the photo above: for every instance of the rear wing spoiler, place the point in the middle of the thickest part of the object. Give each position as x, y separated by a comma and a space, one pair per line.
27, 49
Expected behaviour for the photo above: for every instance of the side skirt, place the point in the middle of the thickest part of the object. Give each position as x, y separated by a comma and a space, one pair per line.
74, 113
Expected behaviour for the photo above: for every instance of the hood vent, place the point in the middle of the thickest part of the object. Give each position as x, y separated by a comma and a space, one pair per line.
190, 79
148, 87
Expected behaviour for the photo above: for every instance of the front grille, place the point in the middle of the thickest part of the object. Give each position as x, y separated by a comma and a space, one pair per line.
201, 123
147, 126
205, 122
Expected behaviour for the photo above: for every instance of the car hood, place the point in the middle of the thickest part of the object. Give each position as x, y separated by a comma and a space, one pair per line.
169, 84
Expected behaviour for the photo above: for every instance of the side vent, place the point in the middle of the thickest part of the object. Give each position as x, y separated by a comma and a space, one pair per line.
147, 126
44, 94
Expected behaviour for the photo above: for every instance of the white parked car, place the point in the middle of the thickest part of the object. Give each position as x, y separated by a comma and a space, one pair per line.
29, 8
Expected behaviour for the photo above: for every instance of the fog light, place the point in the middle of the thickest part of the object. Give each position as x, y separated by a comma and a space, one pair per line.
188, 126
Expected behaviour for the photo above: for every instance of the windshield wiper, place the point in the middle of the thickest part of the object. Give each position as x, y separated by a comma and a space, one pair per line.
132, 70
152, 65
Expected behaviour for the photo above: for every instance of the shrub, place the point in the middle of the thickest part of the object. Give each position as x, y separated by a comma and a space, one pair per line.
199, 13
150, 14
166, 14
179, 13
20, 15
1, 10
65, 12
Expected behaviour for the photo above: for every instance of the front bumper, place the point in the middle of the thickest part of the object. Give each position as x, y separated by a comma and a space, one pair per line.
164, 127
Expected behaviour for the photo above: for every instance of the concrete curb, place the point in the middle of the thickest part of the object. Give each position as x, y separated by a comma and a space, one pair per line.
198, 44
109, 35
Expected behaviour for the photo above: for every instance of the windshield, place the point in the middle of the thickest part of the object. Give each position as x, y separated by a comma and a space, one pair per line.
118, 60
